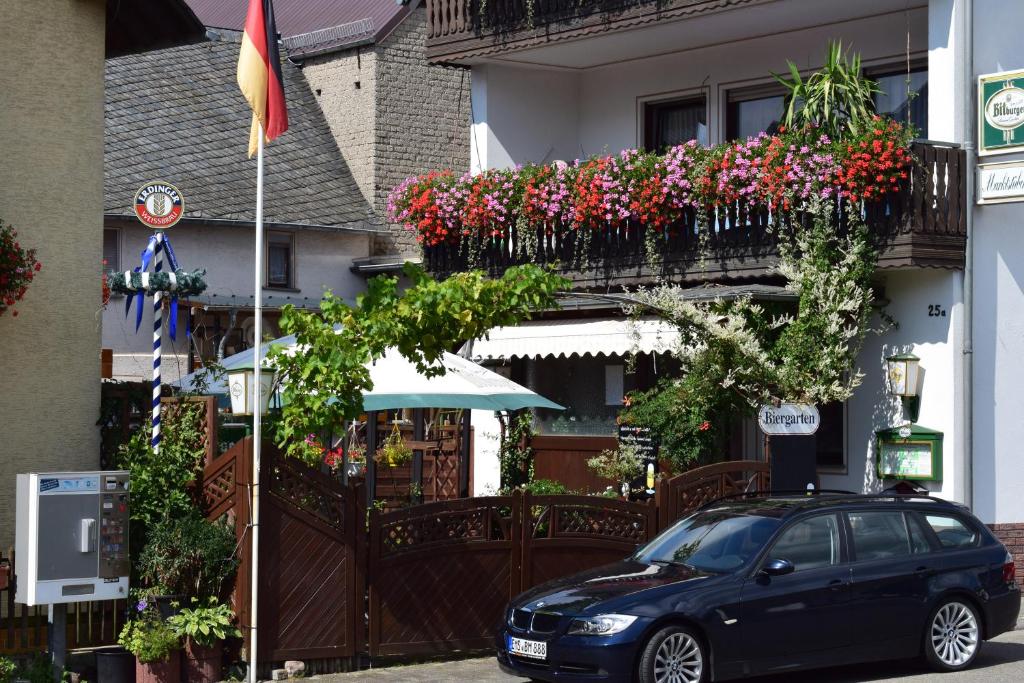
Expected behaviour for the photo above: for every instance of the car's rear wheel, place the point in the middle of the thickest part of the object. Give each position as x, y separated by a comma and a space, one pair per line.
953, 636
674, 655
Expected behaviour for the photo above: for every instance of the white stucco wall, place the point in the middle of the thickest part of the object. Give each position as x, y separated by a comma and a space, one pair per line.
322, 261
935, 339
525, 114
998, 397
486, 445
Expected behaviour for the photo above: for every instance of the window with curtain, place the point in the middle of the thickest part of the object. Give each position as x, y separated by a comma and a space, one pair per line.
751, 112
280, 250
904, 95
675, 122
831, 437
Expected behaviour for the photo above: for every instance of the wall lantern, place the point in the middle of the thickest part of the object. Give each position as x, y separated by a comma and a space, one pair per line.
241, 386
902, 377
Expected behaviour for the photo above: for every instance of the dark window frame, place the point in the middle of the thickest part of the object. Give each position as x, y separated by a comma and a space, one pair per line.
738, 95
845, 466
650, 108
290, 285
112, 266
917, 65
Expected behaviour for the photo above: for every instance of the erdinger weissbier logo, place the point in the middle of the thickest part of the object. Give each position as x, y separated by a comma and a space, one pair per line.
159, 205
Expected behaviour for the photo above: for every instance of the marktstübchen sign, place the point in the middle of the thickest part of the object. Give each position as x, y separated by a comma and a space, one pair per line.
793, 419
1002, 182
1000, 112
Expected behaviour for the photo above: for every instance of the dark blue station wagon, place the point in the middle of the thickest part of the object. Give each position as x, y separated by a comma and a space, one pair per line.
758, 586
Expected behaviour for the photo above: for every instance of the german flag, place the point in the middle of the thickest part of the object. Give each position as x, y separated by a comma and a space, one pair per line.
259, 73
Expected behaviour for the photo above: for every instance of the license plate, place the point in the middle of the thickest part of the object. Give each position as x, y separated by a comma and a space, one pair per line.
534, 649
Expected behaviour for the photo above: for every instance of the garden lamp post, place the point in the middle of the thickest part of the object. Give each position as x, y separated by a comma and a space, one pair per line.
902, 378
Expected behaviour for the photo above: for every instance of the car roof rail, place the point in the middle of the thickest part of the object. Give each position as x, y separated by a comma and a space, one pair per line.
806, 493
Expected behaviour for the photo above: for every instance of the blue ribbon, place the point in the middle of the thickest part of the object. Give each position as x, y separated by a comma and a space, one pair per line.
147, 257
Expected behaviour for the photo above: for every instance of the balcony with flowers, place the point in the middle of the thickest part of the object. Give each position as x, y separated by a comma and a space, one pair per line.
694, 212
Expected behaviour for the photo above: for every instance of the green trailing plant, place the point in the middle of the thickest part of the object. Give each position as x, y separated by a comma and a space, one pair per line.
738, 355
837, 98
147, 636
189, 555
160, 481
323, 385
394, 452
515, 454
206, 624
185, 283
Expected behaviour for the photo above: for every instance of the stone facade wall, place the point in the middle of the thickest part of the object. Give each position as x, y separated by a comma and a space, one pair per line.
344, 84
51, 190
423, 117
1012, 536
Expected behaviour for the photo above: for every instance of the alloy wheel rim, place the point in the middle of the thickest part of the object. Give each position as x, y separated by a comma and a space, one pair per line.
954, 634
678, 660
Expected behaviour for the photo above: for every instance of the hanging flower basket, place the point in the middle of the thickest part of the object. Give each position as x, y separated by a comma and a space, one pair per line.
18, 266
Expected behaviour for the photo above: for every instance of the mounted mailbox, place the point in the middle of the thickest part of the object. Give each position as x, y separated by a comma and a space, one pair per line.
910, 452
72, 537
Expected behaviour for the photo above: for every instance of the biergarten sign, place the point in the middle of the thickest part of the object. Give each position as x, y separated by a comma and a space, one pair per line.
789, 419
1002, 182
1001, 112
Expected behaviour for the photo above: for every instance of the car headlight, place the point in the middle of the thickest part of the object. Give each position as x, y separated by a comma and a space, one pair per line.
601, 625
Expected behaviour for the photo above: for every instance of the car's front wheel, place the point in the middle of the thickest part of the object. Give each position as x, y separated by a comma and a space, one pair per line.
953, 636
674, 655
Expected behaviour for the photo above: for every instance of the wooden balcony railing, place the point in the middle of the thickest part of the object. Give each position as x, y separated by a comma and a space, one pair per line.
922, 225
459, 29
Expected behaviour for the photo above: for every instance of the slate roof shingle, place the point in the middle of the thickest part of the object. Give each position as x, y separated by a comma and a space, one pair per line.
177, 115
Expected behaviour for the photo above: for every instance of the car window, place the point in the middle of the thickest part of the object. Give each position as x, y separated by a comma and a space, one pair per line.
716, 540
879, 535
809, 544
918, 539
951, 532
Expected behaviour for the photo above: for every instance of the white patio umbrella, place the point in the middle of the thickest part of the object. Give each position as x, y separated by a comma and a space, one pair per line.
397, 384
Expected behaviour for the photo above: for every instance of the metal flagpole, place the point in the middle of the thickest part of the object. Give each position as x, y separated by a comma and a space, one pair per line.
257, 363
158, 324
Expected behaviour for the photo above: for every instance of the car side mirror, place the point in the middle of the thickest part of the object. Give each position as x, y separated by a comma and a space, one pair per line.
778, 567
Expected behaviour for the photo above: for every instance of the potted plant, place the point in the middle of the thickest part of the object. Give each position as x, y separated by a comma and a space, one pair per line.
187, 557
204, 629
155, 645
621, 465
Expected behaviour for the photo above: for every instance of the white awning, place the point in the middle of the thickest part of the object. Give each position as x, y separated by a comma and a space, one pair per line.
564, 338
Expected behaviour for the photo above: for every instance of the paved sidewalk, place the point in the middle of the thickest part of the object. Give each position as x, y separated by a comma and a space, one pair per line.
1000, 661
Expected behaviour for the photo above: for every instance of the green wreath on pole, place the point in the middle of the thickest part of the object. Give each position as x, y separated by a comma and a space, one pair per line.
183, 282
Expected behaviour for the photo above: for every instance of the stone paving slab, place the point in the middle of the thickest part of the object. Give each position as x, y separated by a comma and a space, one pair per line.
1001, 661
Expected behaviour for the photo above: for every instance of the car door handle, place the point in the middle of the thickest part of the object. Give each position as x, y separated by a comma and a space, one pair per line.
836, 584
924, 572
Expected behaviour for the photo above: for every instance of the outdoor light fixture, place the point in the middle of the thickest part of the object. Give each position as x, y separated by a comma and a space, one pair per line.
902, 376
241, 383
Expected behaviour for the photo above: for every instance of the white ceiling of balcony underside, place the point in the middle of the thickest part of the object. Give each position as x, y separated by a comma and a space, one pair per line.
727, 26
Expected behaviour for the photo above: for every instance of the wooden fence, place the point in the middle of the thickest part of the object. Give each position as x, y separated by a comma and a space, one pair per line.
23, 629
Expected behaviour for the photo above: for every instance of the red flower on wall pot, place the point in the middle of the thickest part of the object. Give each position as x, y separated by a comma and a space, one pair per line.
18, 267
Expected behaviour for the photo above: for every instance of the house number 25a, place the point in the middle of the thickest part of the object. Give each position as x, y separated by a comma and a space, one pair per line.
936, 311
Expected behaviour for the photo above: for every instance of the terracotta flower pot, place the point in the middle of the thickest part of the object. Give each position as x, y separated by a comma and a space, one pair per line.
203, 664
166, 671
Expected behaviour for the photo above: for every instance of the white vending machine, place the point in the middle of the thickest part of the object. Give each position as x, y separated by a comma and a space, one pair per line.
72, 537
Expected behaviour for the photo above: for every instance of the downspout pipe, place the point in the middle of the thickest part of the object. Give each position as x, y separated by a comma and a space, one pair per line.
970, 160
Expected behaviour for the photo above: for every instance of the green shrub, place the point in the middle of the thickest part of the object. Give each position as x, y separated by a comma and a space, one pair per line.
205, 625
189, 555
147, 636
7, 668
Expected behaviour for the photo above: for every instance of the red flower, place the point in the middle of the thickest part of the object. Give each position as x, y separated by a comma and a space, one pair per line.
705, 426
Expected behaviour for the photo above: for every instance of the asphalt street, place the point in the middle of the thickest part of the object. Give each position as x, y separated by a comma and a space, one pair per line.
1000, 661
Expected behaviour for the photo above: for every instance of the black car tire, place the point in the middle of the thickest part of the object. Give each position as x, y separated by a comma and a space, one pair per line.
674, 645
952, 635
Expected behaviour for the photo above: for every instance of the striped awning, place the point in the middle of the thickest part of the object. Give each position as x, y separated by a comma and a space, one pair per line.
581, 337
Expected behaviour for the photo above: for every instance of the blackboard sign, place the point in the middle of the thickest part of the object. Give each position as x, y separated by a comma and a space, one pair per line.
642, 487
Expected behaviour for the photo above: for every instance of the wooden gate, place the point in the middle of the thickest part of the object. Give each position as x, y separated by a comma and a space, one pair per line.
688, 491
310, 562
441, 574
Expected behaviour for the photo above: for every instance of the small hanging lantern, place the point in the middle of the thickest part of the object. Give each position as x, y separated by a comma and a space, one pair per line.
241, 387
902, 379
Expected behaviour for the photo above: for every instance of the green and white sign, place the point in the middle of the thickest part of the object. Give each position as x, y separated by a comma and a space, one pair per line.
909, 452
1001, 112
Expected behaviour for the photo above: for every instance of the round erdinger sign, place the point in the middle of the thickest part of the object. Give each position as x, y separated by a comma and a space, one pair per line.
159, 205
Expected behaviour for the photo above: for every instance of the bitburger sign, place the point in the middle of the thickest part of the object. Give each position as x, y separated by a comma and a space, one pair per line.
1000, 112
792, 419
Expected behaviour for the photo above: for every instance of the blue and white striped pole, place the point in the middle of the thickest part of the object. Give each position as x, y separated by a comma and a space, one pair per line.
157, 328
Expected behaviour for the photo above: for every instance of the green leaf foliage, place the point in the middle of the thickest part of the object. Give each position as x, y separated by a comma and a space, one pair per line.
323, 383
205, 624
836, 98
188, 555
148, 636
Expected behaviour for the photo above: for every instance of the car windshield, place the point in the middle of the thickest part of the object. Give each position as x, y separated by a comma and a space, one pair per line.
718, 540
